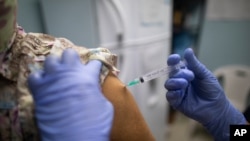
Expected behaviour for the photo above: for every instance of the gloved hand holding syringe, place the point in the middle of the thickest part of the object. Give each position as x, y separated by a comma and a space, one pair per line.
156, 73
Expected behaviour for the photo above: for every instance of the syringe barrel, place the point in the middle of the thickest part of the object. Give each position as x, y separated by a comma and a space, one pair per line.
161, 72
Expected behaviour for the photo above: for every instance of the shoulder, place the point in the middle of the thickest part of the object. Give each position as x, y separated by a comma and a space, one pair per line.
29, 51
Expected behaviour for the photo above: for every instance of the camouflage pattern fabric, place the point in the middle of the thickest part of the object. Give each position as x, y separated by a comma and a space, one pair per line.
20, 54
7, 23
28, 52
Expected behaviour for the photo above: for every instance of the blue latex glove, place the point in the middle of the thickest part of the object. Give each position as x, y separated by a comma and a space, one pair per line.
196, 92
69, 104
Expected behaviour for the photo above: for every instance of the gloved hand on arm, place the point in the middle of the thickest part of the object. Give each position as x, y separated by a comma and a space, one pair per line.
196, 92
69, 104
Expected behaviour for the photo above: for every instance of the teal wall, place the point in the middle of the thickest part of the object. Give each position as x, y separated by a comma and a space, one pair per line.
74, 20
224, 43
29, 16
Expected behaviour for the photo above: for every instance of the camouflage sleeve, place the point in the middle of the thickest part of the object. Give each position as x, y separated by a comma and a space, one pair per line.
7, 23
27, 54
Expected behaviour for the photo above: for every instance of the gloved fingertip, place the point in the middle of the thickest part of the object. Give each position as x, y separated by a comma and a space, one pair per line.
189, 55
51, 63
176, 84
173, 59
34, 78
193, 63
69, 51
94, 66
184, 73
70, 56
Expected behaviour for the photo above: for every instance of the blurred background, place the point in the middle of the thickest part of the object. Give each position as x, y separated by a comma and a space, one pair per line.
143, 33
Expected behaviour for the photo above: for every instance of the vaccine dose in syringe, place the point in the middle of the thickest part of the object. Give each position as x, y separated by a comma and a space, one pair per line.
156, 73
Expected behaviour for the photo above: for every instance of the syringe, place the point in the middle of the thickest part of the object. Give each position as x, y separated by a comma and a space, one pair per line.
156, 73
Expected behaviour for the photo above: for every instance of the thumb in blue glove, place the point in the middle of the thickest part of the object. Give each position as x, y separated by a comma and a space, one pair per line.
196, 92
69, 104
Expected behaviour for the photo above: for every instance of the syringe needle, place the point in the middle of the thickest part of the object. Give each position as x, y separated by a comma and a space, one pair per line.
133, 82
